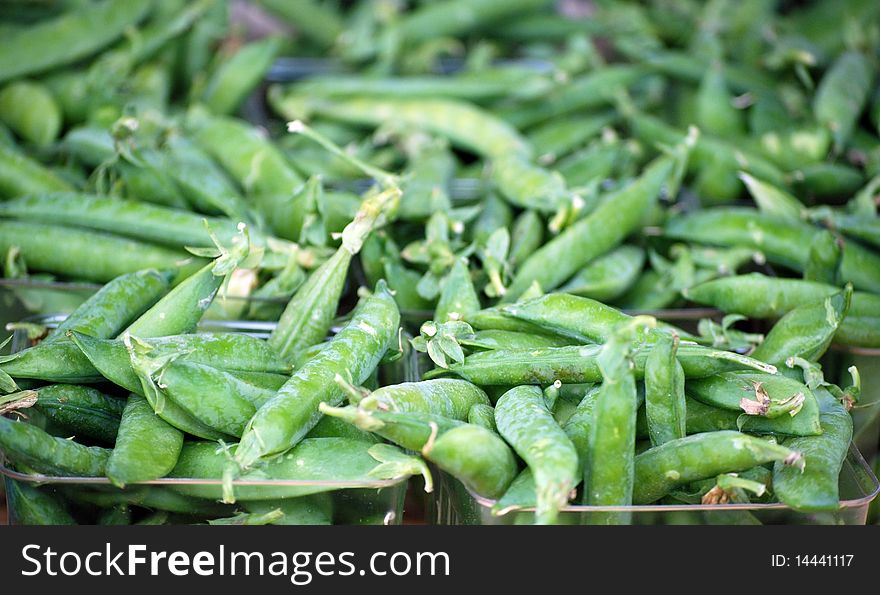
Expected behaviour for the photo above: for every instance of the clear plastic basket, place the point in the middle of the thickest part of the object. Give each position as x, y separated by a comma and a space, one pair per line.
375, 502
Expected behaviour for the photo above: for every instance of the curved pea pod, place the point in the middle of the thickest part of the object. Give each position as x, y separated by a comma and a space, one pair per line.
59, 41
87, 255
235, 78
816, 487
320, 22
20, 175
665, 403
859, 226
842, 95
151, 497
827, 179
826, 254
770, 402
462, 123
316, 509
594, 235
29, 109
353, 354
661, 469
806, 331
235, 352
578, 364
526, 236
146, 446
529, 186
569, 316
333, 462
496, 213
448, 397
31, 505
458, 298
483, 415
524, 420
497, 339
494, 319
781, 240
715, 112
609, 276
25, 444
333, 427
83, 410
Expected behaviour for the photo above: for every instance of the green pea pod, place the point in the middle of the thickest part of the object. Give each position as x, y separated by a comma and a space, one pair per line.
159, 498
146, 447
458, 17
781, 240
495, 339
25, 444
483, 415
31, 505
661, 469
353, 354
119, 515
67, 38
816, 487
524, 420
609, 276
83, 410
529, 186
578, 364
806, 331
559, 137
665, 403
526, 236
826, 254
316, 509
19, 175
29, 109
569, 315
87, 255
235, 78
458, 298
827, 179
495, 319
716, 113
430, 169
318, 21
496, 213
332, 427
322, 464
842, 95
595, 234
448, 397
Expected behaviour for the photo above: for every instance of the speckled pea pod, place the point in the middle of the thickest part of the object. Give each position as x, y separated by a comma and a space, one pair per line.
609, 276
700, 418
496, 339
458, 297
32, 505
806, 331
494, 319
483, 415
146, 446
235, 78
842, 95
665, 404
569, 315
28, 445
29, 109
20, 175
448, 397
353, 353
82, 410
525, 422
781, 240
823, 263
816, 487
661, 469
529, 186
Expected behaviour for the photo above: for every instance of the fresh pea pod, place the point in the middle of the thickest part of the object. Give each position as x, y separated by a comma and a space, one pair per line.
448, 397
119, 515
842, 95
83, 410
665, 403
29, 109
316, 509
524, 420
31, 505
19, 175
28, 445
353, 353
529, 186
483, 415
663, 468
318, 21
160, 498
235, 78
458, 298
497, 339
609, 276
826, 254
716, 113
526, 236
827, 179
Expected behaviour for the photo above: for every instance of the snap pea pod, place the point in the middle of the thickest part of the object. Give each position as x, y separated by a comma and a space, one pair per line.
578, 364
29, 109
557, 138
316, 20
458, 17
235, 78
823, 263
458, 298
526, 236
525, 422
332, 427
483, 415
842, 95
68, 37
700, 418
661, 469
665, 403
529, 186
494, 319
806, 331
83, 410
119, 515
595, 234
448, 397
715, 112
496, 213
609, 276
25, 444
31, 505
234, 352
866, 229
430, 169
816, 488
462, 123
159, 498
827, 179
87, 255
142, 221
102, 315
322, 464
781, 240
353, 353
496, 339
19, 174
477, 457
146, 446
316, 509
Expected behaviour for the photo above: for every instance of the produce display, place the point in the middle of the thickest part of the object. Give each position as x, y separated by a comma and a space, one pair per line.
533, 196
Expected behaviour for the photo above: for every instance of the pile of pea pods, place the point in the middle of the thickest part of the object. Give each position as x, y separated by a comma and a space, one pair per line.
535, 191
